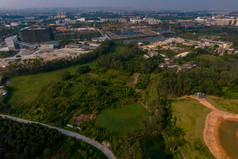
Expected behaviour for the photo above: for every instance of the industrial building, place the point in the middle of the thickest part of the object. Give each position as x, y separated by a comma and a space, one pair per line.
31, 35
224, 21
11, 42
218, 21
76, 33
49, 45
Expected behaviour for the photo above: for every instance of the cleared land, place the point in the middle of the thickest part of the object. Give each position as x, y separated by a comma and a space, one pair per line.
46, 55
121, 120
228, 105
191, 117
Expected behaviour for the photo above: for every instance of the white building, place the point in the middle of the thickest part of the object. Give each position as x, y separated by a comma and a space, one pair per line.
81, 19
11, 42
14, 24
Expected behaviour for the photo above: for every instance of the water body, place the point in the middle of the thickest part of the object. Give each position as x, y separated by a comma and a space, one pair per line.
125, 32
154, 147
154, 39
228, 135
165, 31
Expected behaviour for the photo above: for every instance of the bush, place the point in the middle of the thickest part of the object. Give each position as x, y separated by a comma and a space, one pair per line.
64, 75
143, 81
83, 69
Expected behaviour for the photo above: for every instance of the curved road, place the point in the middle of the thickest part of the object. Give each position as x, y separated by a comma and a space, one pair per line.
104, 149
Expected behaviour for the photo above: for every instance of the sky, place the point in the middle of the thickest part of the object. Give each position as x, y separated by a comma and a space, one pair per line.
158, 4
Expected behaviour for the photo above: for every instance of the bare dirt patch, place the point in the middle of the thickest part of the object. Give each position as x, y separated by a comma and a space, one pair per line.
46, 55
135, 78
79, 119
92, 74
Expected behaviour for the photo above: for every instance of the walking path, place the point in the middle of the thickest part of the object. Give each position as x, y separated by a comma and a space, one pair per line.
94, 143
210, 132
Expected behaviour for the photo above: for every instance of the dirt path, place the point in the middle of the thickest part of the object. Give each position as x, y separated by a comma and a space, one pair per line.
136, 77
94, 143
212, 124
133, 82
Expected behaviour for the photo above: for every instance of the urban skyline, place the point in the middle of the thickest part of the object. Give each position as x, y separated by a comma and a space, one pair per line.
158, 4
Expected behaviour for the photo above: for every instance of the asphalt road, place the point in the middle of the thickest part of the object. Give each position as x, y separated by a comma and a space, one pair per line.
94, 143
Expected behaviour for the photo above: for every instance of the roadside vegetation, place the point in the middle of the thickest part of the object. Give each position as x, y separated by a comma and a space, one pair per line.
20, 140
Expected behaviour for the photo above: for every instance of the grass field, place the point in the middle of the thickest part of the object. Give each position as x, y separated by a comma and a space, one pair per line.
122, 119
25, 89
228, 105
191, 117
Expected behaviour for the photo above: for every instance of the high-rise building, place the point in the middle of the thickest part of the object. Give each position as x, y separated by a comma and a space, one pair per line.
30, 35
61, 14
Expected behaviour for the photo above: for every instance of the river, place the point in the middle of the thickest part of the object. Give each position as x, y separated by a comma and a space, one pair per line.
153, 39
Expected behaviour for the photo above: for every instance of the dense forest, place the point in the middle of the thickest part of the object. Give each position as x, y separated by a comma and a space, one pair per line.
129, 59
214, 75
23, 141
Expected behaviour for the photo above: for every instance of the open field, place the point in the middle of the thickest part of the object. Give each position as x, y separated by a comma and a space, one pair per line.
191, 117
228, 105
122, 119
25, 89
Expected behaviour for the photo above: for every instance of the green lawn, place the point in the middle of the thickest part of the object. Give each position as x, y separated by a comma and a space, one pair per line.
191, 117
122, 119
228, 105
25, 89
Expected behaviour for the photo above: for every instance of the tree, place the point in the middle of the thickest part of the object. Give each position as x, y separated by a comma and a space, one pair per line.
83, 69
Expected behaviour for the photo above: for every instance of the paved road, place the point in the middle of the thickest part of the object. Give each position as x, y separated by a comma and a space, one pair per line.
104, 149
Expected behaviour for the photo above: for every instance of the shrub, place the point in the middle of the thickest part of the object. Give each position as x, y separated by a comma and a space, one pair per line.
83, 69
64, 75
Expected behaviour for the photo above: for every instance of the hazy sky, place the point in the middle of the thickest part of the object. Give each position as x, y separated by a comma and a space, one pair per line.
160, 4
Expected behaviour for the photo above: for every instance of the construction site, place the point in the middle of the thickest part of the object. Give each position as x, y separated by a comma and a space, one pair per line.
133, 31
46, 34
45, 55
